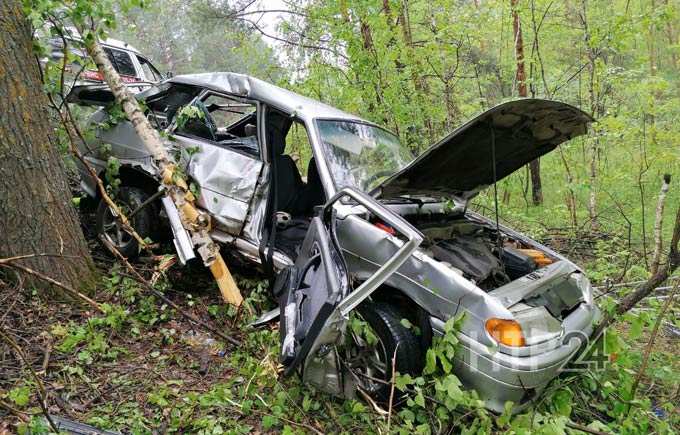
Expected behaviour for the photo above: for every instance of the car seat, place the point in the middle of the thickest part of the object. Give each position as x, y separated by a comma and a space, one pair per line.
287, 177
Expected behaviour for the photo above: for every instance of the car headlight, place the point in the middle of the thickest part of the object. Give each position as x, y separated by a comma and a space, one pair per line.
505, 331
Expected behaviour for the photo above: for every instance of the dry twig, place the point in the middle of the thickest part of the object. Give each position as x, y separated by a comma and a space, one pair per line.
392, 381
42, 393
9, 262
650, 344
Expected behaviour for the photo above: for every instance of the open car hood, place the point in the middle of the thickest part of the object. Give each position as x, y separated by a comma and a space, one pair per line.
461, 164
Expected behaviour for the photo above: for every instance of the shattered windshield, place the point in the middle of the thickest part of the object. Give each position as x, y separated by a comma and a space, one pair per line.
361, 155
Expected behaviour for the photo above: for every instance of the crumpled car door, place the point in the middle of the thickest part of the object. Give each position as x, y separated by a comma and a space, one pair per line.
316, 295
226, 178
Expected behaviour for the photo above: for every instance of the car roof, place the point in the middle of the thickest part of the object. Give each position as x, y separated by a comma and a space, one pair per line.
256, 89
117, 43
74, 34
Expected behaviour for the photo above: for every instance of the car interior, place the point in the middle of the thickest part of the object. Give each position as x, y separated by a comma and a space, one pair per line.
224, 121
293, 198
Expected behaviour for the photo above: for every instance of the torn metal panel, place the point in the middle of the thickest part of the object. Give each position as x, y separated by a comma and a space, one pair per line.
181, 238
256, 220
536, 282
226, 180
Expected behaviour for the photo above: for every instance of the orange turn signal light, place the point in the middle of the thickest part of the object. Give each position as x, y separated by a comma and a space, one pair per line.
505, 331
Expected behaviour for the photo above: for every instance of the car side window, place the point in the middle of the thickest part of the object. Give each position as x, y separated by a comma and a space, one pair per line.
121, 61
229, 122
150, 73
164, 106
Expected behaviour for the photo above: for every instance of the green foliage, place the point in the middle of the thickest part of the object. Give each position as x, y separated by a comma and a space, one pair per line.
21, 396
423, 68
187, 113
187, 37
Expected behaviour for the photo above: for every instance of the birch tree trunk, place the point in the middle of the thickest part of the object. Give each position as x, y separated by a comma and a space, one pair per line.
658, 224
520, 77
36, 215
195, 221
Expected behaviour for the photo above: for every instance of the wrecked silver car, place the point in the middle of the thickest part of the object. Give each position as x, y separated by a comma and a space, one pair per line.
369, 230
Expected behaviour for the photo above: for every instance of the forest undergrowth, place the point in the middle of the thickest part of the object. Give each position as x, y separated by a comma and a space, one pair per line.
141, 367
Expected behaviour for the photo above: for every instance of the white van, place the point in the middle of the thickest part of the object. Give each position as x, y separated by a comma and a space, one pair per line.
135, 69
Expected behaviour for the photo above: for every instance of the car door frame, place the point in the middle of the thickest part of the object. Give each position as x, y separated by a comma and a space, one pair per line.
318, 358
172, 130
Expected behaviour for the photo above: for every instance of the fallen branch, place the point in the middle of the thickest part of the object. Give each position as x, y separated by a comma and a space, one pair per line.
392, 382
138, 277
42, 393
9, 263
650, 344
585, 429
644, 289
23, 416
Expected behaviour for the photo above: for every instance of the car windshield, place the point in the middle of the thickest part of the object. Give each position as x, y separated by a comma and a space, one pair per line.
361, 155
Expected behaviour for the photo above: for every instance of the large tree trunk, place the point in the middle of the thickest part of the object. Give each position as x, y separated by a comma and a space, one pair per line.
534, 166
36, 215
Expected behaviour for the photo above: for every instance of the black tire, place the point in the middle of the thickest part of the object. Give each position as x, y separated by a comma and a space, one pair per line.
386, 322
129, 198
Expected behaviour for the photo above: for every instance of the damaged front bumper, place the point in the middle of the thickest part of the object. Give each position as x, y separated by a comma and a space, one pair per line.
499, 377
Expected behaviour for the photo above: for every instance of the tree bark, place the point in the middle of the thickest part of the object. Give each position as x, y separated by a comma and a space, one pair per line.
36, 215
520, 77
658, 224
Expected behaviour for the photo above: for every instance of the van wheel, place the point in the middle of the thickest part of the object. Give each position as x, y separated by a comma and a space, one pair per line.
128, 198
370, 358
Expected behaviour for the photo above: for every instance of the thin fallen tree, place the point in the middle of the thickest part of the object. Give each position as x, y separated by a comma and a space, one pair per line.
11, 262
195, 221
646, 288
72, 131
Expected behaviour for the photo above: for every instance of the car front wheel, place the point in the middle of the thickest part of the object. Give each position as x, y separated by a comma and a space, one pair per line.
381, 336
129, 199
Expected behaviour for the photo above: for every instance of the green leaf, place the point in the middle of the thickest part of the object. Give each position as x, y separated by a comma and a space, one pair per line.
419, 399
430, 362
358, 408
20, 395
401, 381
562, 401
452, 385
269, 421
636, 326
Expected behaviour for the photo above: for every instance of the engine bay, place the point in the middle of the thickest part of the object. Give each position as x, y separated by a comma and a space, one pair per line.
482, 254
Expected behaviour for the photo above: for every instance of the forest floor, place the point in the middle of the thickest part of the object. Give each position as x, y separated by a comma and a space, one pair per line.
144, 368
